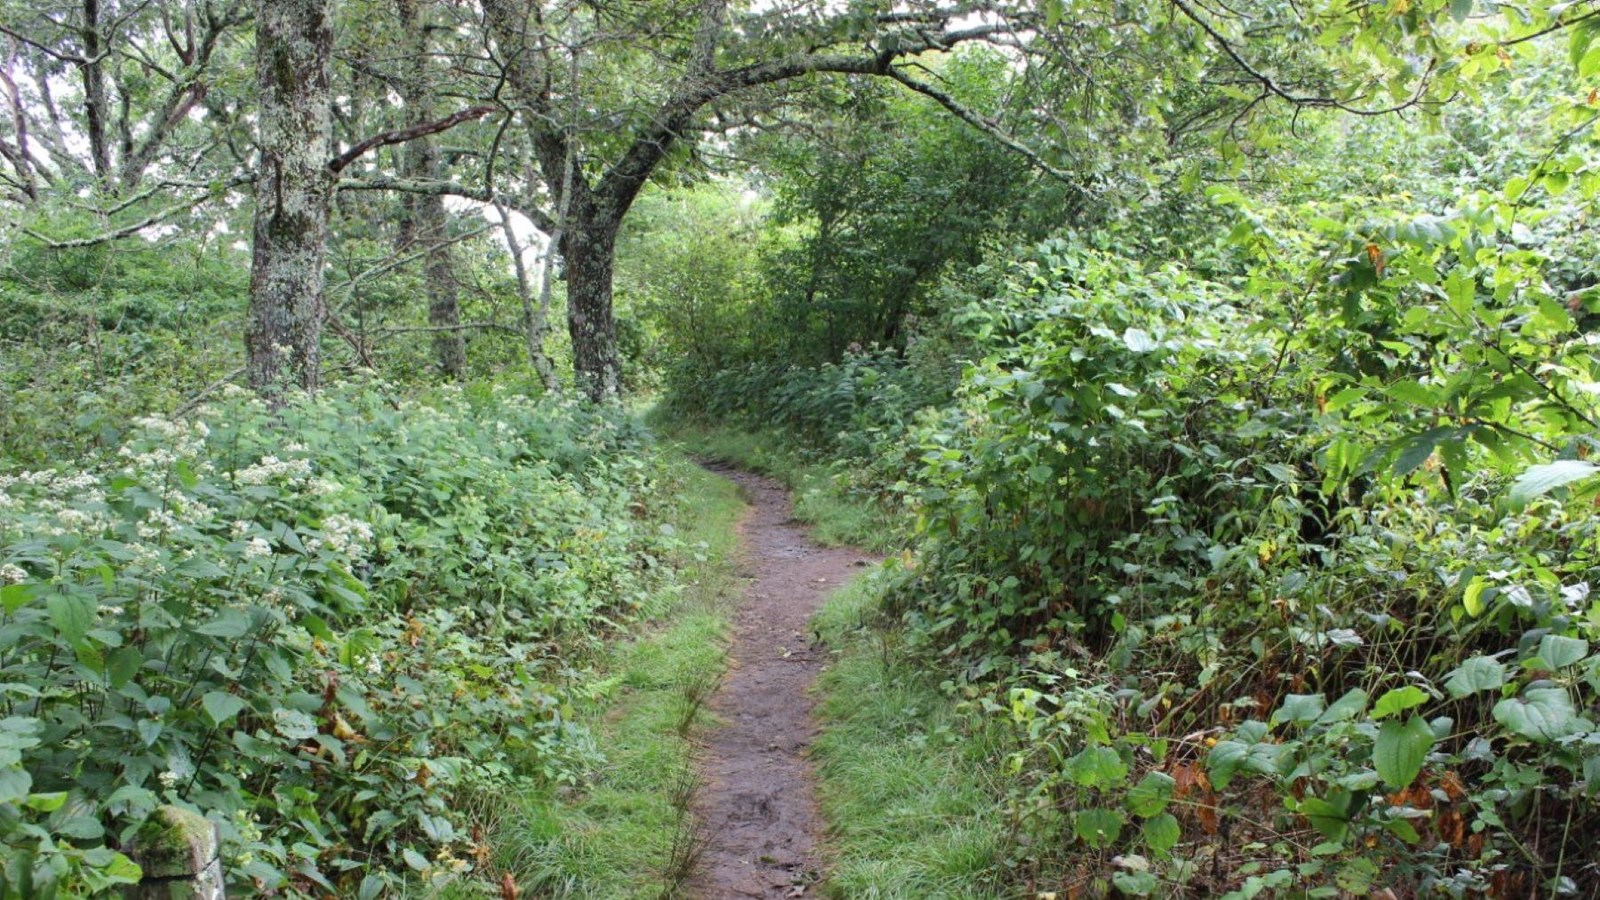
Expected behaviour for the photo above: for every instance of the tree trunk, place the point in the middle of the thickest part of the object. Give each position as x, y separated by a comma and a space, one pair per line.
444, 311
95, 102
535, 319
589, 249
428, 222
294, 47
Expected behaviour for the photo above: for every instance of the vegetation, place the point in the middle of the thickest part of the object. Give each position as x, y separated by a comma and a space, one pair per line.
1219, 380
631, 833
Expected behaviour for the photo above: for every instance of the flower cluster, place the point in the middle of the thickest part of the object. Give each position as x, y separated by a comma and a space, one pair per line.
272, 470
344, 535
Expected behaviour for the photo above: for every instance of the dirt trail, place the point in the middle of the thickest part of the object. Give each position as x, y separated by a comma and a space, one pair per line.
758, 804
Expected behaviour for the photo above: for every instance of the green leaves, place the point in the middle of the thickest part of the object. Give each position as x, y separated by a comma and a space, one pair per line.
166, 636
1541, 714
1098, 827
1540, 480
1480, 673
1401, 749
221, 707
1399, 700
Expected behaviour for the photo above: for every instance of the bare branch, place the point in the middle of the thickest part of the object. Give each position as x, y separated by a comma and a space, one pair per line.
401, 135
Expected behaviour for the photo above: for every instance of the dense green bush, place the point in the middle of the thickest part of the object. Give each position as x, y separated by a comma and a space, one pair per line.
1250, 596
1217, 605
325, 627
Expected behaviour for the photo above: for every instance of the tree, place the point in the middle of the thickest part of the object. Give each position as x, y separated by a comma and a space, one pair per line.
425, 222
294, 59
657, 83
615, 90
297, 173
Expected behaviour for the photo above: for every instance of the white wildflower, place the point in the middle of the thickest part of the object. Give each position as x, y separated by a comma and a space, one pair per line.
239, 529
346, 536
11, 573
256, 548
169, 779
271, 469
157, 524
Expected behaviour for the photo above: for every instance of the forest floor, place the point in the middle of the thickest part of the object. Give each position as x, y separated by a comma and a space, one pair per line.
763, 828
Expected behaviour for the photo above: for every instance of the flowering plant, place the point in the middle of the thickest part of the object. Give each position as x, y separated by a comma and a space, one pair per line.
322, 626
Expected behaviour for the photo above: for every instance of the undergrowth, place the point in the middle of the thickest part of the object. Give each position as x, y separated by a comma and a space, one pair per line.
629, 832
904, 783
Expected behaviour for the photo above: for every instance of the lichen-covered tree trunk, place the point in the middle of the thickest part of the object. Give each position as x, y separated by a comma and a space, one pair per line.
294, 47
95, 102
439, 274
589, 250
427, 221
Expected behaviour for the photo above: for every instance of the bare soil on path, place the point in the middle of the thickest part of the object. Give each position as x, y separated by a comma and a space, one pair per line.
757, 804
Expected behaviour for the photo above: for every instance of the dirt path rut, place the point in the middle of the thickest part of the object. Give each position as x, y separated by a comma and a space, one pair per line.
758, 802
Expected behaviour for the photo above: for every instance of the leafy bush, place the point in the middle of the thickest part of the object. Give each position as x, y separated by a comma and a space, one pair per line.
325, 627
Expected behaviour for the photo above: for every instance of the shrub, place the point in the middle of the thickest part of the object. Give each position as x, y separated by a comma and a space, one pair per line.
323, 627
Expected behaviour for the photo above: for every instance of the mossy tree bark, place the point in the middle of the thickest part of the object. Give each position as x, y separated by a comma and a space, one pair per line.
294, 48
426, 223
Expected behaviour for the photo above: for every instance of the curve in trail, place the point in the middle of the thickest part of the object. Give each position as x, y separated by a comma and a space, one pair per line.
758, 803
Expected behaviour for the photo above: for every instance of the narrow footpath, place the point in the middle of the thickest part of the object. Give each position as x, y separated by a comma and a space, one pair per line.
757, 804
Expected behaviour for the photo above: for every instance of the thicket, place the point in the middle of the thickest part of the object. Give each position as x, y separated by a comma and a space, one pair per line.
337, 628
1270, 554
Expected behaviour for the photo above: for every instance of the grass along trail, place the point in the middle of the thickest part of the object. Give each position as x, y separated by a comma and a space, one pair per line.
758, 803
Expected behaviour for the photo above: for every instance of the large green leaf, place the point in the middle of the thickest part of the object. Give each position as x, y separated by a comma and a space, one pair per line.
1348, 706
1151, 795
1099, 767
1161, 833
1329, 816
1398, 701
72, 614
1300, 708
1480, 673
1540, 714
221, 706
14, 596
1401, 750
1098, 827
1559, 651
1540, 480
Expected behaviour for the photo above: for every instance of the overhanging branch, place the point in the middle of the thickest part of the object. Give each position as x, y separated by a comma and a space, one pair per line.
401, 135
995, 132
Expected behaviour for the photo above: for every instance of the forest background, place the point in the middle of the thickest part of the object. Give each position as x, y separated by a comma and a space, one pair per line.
1222, 376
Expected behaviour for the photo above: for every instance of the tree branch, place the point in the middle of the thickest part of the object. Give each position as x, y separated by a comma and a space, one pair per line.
960, 111
1271, 87
401, 135
623, 181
